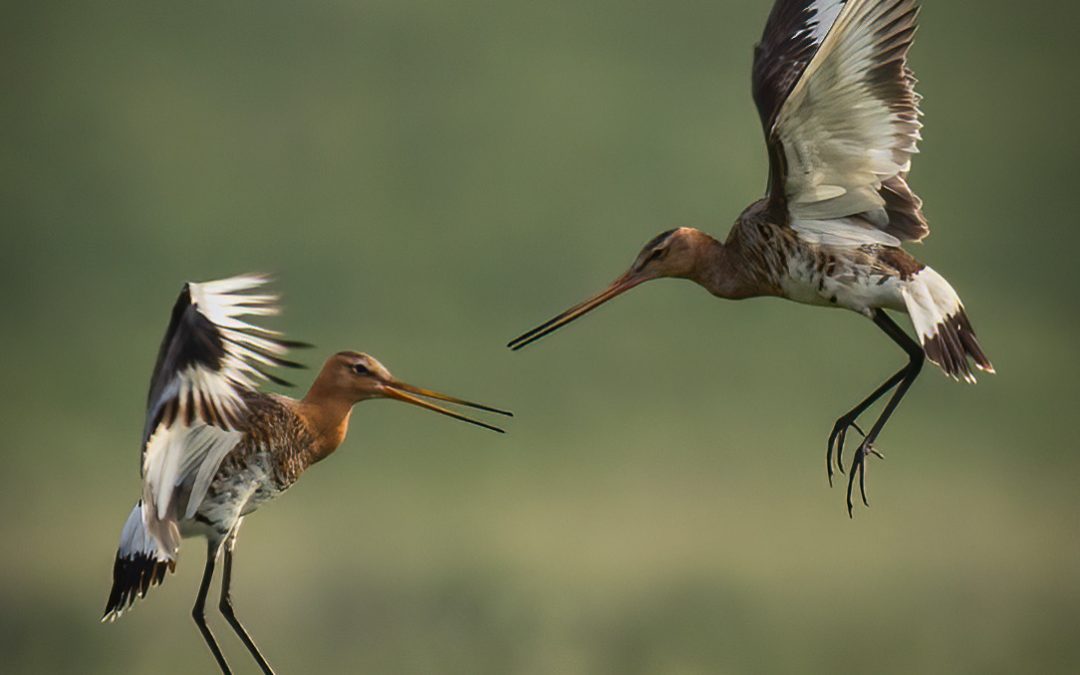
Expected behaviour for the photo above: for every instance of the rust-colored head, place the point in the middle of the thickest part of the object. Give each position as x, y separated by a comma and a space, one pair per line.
683, 253
351, 377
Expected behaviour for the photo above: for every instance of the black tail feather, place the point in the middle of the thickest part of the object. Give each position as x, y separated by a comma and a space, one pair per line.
132, 577
953, 344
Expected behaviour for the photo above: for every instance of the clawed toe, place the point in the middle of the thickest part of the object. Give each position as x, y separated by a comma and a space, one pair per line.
858, 466
837, 439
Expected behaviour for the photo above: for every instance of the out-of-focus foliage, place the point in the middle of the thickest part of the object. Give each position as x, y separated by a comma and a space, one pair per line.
429, 179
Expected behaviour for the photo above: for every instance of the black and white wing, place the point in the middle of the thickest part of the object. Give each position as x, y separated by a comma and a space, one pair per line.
208, 360
841, 118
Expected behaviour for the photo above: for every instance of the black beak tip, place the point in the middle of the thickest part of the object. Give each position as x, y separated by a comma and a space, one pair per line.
520, 343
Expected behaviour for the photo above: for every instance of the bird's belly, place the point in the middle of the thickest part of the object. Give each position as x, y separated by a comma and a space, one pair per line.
860, 289
236, 492
806, 290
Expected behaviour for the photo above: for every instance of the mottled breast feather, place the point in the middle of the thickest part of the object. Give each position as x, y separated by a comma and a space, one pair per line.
274, 433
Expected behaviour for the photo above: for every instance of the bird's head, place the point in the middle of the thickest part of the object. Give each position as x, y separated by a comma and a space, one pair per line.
679, 253
675, 253
354, 377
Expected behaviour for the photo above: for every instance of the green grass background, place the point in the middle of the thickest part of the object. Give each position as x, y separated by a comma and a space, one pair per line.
429, 179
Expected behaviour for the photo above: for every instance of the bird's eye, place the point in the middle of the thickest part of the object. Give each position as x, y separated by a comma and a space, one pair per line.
657, 254
360, 369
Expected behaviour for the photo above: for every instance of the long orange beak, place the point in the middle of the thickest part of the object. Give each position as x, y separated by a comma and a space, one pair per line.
404, 392
617, 287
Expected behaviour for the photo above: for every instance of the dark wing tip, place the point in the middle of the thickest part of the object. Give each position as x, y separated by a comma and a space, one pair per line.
206, 334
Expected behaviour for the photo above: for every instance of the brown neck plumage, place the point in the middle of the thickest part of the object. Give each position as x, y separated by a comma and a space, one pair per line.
325, 410
719, 269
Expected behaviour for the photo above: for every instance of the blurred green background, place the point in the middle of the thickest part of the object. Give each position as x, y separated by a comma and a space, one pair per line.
429, 179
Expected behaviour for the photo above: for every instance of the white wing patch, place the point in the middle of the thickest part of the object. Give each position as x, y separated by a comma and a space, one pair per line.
183, 456
841, 133
825, 15
222, 303
841, 232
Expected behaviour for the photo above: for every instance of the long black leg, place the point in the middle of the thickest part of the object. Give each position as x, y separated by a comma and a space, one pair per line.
199, 614
227, 611
907, 376
839, 433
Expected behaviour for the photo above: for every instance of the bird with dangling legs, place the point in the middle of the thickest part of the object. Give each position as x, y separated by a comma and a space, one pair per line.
215, 447
840, 114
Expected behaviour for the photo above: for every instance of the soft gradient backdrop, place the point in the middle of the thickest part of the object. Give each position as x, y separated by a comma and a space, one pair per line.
428, 179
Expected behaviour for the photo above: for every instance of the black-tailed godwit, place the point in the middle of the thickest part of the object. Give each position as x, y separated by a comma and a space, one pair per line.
215, 448
841, 121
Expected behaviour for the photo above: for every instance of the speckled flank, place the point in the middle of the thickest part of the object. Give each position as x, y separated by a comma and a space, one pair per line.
275, 449
859, 278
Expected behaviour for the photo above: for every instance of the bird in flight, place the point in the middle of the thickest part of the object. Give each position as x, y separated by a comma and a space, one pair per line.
841, 119
215, 448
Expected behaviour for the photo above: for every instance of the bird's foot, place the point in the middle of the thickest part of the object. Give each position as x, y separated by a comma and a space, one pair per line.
836, 442
858, 466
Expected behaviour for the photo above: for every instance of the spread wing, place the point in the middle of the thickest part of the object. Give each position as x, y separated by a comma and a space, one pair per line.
209, 360
841, 117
